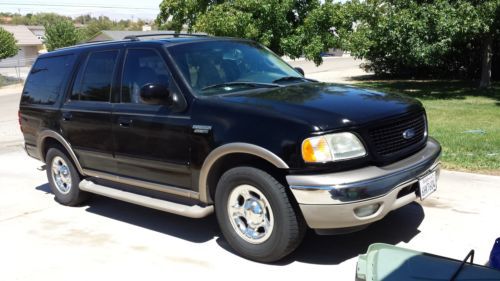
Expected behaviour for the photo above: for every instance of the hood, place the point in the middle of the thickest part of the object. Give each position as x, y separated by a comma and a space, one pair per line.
327, 106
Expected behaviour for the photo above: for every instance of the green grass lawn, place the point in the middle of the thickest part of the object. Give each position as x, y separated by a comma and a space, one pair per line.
465, 120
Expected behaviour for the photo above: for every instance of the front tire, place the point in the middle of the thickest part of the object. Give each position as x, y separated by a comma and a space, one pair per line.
63, 178
256, 216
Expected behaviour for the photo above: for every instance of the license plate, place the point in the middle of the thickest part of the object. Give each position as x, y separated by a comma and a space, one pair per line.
427, 185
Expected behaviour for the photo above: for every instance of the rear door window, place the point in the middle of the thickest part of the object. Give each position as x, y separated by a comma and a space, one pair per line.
46, 80
95, 77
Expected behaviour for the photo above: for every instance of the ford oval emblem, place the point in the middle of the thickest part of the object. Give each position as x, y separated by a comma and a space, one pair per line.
408, 134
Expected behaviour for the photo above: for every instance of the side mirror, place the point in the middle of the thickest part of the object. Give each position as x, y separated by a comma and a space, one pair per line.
299, 70
156, 94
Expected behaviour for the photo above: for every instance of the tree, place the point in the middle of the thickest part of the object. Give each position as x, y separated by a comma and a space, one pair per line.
488, 19
325, 26
38, 19
8, 46
61, 34
416, 38
174, 14
278, 24
97, 25
47, 18
266, 21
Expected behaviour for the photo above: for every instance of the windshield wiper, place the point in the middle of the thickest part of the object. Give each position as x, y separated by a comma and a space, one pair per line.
249, 84
290, 78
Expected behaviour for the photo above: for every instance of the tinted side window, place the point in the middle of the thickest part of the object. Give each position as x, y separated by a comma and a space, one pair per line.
142, 66
94, 79
46, 80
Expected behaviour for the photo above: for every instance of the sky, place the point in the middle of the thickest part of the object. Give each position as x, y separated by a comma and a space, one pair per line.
115, 9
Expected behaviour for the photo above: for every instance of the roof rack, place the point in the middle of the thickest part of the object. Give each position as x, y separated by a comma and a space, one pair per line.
173, 34
83, 44
134, 38
90, 43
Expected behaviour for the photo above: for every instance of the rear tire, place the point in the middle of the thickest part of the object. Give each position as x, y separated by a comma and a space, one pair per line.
256, 216
64, 178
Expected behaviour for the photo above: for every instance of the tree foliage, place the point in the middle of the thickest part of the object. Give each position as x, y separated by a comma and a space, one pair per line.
266, 21
174, 14
278, 24
418, 38
37, 19
404, 38
91, 26
61, 34
328, 25
94, 27
8, 46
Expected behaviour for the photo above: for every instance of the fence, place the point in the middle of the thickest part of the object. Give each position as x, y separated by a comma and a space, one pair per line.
16, 67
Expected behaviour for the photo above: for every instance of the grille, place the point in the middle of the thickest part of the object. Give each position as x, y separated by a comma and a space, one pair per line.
388, 139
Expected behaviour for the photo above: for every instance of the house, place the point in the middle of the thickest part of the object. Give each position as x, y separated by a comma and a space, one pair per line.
28, 45
38, 30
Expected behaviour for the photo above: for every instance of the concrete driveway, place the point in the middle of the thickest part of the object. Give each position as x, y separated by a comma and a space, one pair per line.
105, 238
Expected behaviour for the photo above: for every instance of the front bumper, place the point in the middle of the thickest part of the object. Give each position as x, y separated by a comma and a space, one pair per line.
329, 200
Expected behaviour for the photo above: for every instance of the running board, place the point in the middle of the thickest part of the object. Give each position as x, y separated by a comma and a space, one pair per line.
194, 211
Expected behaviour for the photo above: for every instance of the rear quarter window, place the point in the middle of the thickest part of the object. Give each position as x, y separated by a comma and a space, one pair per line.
46, 80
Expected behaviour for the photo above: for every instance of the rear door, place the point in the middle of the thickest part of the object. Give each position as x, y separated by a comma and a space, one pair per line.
41, 98
151, 141
86, 115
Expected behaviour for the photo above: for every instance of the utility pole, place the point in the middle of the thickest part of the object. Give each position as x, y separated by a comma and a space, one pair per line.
18, 69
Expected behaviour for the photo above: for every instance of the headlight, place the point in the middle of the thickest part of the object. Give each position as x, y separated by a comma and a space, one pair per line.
332, 147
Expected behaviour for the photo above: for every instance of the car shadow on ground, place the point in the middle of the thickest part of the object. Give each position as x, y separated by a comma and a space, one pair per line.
398, 226
193, 230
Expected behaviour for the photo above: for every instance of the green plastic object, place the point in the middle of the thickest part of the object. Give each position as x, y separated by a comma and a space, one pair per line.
390, 263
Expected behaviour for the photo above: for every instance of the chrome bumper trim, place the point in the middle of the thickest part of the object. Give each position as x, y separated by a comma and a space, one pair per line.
364, 183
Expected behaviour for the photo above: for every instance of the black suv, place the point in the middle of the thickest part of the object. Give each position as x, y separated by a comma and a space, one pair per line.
196, 124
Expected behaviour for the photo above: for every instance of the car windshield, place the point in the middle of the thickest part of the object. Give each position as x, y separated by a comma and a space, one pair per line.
221, 67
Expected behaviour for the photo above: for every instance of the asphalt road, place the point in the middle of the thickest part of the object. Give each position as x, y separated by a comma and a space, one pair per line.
10, 135
106, 238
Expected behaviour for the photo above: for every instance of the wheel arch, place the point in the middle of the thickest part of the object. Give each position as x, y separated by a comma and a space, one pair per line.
48, 137
231, 155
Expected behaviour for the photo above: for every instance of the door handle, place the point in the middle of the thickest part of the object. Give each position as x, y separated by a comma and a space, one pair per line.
124, 122
66, 116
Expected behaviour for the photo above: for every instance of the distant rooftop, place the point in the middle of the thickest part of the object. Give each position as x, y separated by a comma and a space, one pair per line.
35, 27
23, 35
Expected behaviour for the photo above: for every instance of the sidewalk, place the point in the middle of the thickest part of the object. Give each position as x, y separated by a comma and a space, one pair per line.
14, 89
15, 72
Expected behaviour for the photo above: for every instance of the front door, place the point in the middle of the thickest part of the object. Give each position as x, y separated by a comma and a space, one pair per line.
151, 141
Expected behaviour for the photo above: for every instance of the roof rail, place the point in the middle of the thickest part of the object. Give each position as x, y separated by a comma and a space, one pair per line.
173, 34
92, 42
84, 44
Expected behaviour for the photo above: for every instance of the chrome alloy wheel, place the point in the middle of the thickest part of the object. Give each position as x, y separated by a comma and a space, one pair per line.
61, 175
250, 214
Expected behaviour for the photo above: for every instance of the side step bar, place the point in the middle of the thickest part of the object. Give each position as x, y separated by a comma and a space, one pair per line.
194, 211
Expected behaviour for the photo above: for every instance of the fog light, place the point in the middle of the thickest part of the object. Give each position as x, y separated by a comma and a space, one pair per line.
367, 210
